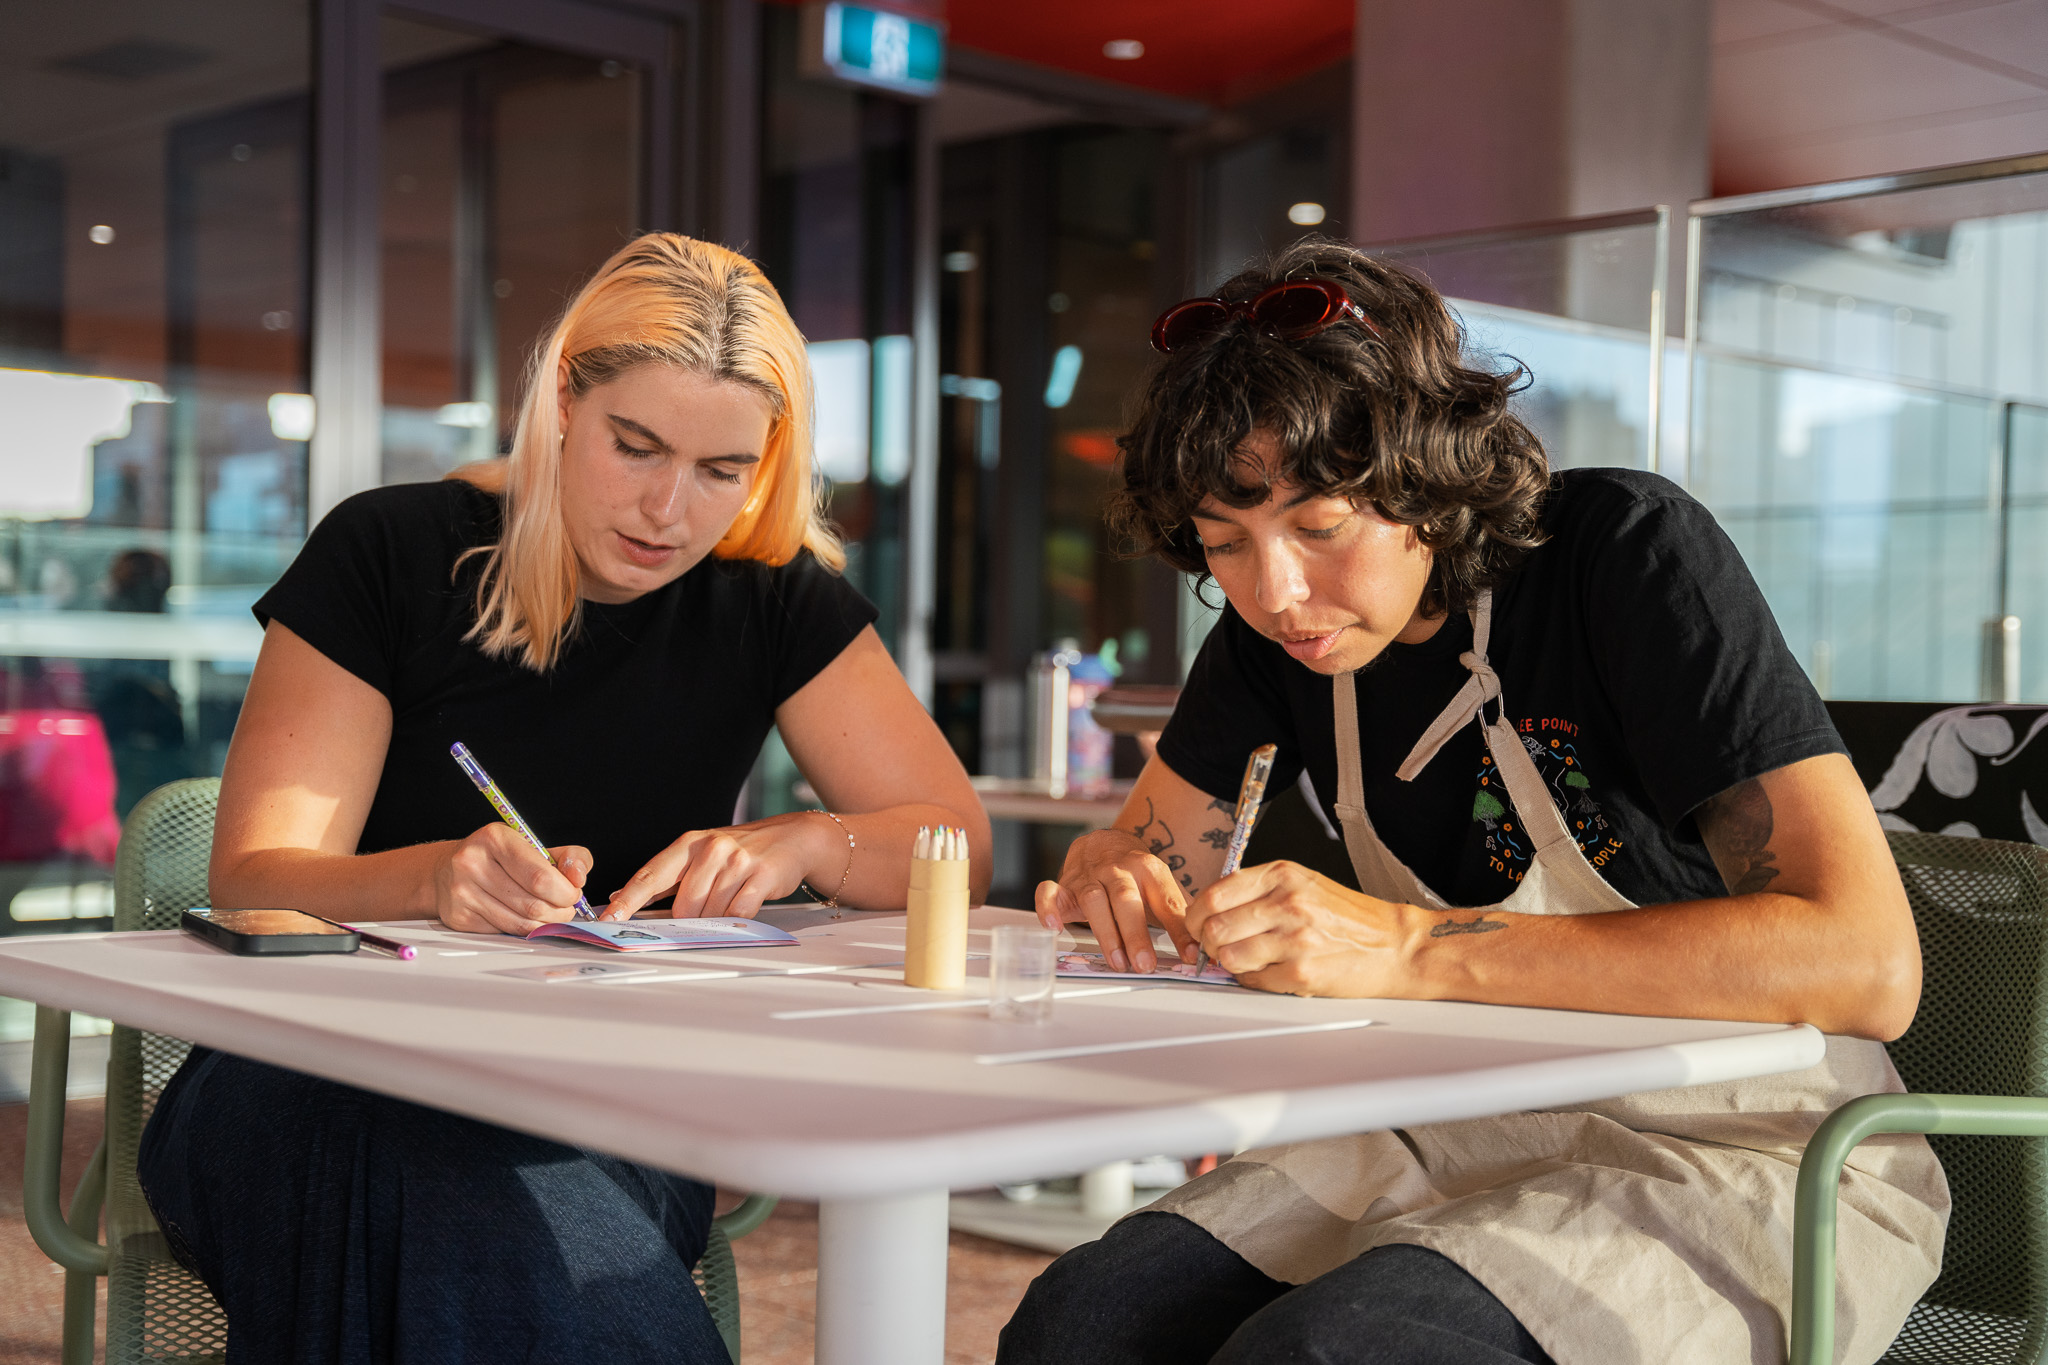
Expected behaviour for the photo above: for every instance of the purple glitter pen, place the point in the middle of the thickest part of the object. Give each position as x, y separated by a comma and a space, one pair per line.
460, 752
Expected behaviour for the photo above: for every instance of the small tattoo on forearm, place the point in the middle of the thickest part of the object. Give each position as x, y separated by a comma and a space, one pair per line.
1478, 925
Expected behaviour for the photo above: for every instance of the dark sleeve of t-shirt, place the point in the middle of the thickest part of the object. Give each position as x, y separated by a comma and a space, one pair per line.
1707, 693
1233, 702
345, 593
814, 614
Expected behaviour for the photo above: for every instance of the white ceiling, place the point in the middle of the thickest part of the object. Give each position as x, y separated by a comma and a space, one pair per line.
1817, 90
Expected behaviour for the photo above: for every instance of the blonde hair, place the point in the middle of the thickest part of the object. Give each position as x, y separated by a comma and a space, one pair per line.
663, 299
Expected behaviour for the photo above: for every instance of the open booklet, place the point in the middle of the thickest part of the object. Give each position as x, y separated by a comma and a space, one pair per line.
1169, 969
653, 935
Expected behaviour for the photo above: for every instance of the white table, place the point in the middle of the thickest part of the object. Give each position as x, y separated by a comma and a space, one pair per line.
806, 1072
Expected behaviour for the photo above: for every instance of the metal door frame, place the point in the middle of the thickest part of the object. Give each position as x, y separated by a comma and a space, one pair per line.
346, 454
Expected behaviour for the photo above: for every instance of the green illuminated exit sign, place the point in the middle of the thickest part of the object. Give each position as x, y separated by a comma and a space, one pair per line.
873, 47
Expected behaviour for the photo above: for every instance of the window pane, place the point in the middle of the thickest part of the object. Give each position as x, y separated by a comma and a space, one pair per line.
509, 175
1866, 423
153, 298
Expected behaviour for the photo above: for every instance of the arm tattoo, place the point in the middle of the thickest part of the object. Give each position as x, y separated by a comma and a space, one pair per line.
1479, 924
1159, 841
1737, 828
1219, 837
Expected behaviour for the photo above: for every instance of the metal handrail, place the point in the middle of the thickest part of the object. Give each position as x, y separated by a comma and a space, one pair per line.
1656, 216
1516, 232
1994, 168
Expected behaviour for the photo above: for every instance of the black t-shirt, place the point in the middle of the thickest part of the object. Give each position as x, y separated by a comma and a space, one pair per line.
1636, 657
646, 727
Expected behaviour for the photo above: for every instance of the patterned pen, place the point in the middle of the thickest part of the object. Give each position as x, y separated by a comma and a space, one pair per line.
510, 816
1249, 797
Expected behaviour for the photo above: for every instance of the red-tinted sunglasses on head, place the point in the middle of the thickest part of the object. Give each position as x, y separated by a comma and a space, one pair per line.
1290, 311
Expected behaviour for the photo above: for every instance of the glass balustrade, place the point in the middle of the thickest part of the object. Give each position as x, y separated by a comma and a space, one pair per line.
1580, 304
1869, 374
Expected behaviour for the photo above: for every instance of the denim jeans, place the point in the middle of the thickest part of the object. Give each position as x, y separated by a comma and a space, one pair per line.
1159, 1289
338, 1227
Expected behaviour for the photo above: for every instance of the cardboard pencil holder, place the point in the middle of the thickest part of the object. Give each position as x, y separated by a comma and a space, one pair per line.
935, 939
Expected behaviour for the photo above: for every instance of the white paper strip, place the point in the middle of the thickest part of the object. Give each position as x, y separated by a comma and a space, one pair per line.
1053, 1054
975, 1002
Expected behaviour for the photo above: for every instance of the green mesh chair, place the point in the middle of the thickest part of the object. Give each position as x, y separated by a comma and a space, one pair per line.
1976, 1062
157, 1311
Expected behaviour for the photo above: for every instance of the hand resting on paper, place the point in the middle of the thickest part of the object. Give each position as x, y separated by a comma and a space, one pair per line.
736, 870
1167, 844
1111, 883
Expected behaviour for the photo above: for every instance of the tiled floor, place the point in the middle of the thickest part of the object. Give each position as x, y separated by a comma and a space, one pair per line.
778, 1271
779, 1290
31, 1288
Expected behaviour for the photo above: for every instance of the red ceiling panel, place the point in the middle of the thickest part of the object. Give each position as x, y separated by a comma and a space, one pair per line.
1214, 50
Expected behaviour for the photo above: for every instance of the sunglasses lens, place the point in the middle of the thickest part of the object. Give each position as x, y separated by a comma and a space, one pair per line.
1294, 311
1188, 322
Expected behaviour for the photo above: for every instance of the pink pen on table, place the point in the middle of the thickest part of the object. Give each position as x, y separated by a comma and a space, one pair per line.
404, 952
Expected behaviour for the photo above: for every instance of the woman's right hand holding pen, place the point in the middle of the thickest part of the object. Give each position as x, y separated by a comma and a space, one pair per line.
496, 882
1114, 884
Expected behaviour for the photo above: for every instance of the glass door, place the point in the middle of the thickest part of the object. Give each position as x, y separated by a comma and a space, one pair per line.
511, 169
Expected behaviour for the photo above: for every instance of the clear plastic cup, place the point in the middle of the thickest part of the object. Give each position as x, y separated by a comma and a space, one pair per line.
1020, 973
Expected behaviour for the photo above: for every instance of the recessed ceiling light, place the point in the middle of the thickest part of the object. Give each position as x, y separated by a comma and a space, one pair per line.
1123, 49
100, 233
1305, 213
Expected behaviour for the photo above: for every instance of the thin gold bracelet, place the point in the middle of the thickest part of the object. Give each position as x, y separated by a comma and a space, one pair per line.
831, 902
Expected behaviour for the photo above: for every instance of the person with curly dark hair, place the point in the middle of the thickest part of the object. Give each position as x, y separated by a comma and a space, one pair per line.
1575, 767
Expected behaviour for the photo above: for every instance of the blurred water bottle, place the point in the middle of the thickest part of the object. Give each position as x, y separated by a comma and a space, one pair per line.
1050, 714
1089, 746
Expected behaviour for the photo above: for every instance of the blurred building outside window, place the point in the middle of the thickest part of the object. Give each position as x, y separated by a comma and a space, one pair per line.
153, 307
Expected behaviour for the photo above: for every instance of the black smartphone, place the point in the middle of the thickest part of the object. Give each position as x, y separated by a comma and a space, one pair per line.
269, 933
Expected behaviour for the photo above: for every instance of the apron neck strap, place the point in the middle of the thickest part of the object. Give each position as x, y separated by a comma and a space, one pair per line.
1470, 702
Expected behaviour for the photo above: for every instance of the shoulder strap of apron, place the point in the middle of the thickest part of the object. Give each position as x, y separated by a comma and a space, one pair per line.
1378, 871
1570, 880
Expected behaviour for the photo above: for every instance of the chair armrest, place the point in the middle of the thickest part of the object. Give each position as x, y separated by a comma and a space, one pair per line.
41, 1204
749, 1214
1820, 1174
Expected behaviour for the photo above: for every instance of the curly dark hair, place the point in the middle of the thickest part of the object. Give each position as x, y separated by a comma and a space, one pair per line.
1398, 420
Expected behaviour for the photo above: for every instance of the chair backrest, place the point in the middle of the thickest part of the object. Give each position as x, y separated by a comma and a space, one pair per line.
156, 1310
1976, 768
1981, 906
160, 872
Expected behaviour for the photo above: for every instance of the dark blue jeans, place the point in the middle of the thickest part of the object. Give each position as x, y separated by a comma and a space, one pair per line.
337, 1227
1159, 1289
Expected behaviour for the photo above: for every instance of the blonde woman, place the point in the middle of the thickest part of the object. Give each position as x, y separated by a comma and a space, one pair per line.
612, 619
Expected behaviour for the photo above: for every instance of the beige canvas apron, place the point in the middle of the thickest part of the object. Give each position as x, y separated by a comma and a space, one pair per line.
1646, 1230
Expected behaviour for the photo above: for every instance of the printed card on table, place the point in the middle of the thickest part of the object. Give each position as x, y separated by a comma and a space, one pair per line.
655, 935
1169, 969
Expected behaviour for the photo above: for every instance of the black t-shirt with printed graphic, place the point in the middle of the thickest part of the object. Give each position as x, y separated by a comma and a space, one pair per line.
646, 727
1637, 659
